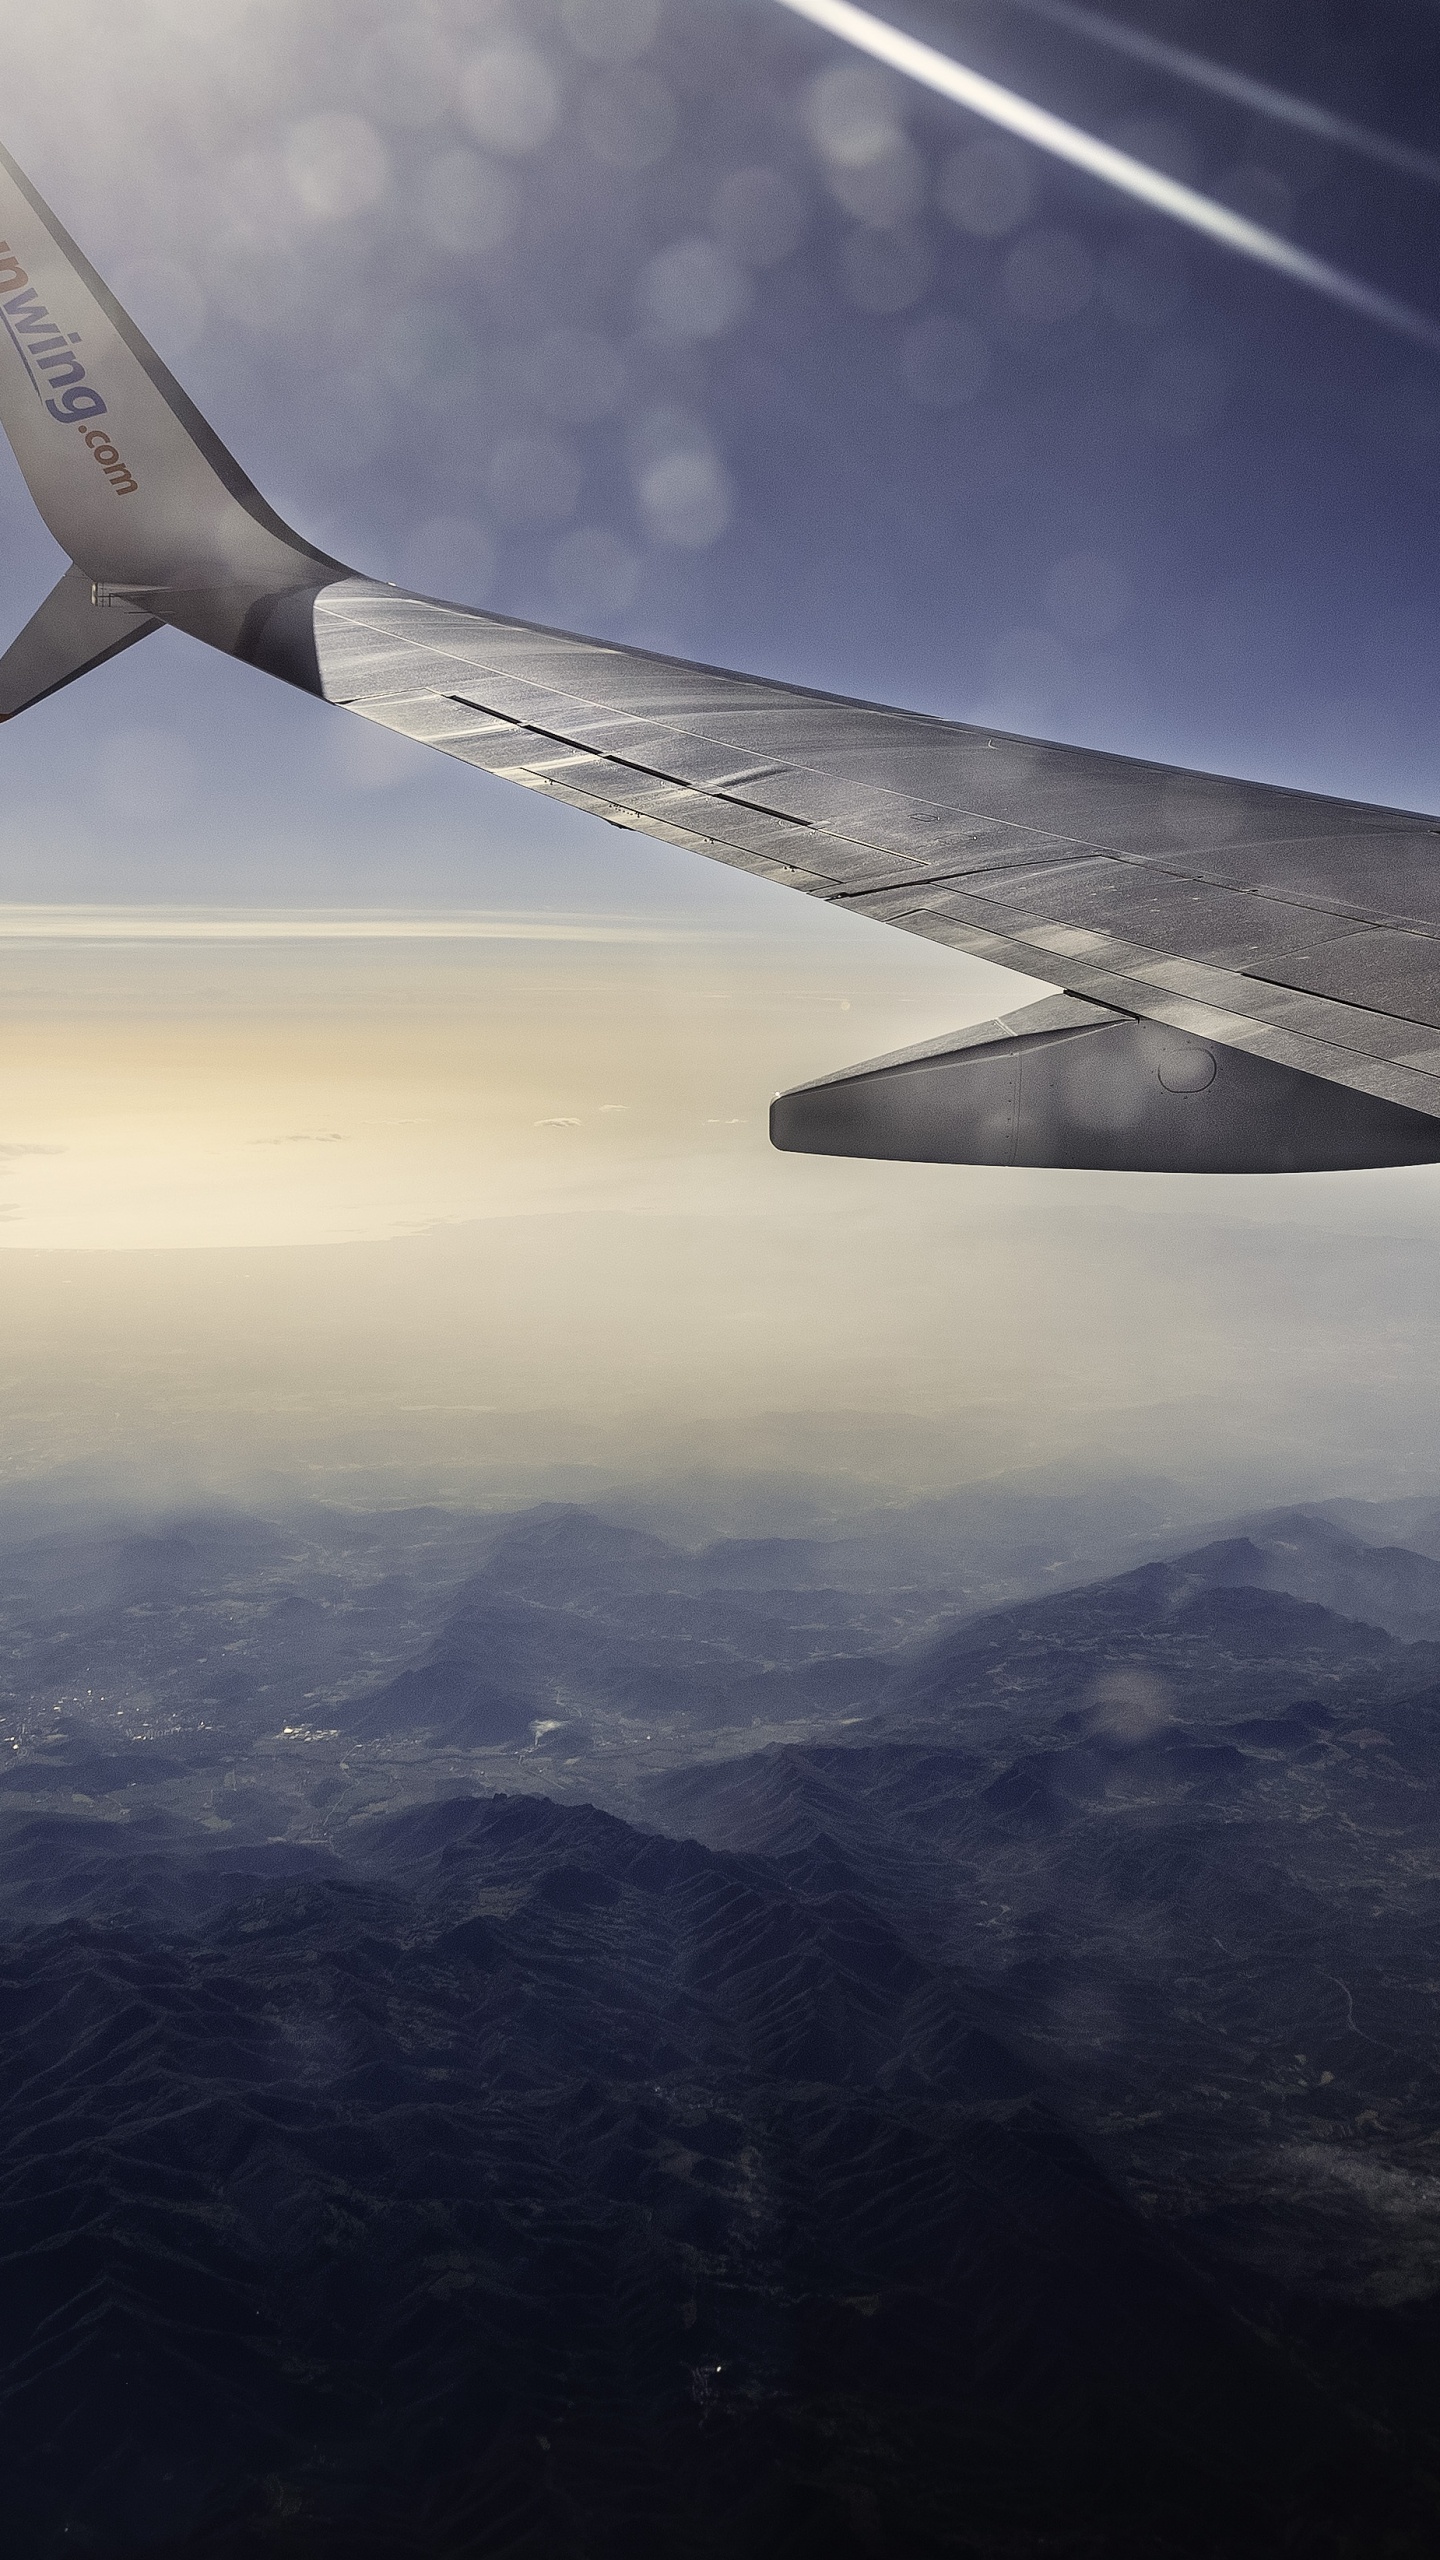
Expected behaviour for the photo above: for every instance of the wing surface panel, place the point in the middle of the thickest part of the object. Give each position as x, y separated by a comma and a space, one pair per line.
1303, 929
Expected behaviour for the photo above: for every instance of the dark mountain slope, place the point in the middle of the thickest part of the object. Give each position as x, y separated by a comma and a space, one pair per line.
1314, 1558
1204, 1633
1202, 1896
537, 2185
572, 1616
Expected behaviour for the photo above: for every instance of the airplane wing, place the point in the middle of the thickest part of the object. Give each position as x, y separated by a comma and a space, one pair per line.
1250, 975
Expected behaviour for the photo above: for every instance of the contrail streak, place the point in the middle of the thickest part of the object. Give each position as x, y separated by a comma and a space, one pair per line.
1258, 95
1017, 115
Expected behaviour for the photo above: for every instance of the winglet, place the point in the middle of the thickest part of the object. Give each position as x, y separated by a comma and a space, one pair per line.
128, 476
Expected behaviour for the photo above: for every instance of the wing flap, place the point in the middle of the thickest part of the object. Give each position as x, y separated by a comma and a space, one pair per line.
1394, 973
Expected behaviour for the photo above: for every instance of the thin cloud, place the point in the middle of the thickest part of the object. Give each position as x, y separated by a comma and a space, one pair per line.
1114, 168
1258, 95
145, 925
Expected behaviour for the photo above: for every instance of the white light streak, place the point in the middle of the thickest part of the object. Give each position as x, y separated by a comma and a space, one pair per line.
1222, 82
1114, 168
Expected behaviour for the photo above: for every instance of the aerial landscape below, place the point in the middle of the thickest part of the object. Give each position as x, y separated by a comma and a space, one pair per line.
523, 2036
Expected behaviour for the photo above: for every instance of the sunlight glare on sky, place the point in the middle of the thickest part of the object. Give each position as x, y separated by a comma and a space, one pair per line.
174, 1080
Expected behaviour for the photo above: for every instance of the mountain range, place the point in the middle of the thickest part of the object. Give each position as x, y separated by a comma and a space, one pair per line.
520, 2038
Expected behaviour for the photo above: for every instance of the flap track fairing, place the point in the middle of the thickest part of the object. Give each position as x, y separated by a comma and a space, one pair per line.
1070, 1084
